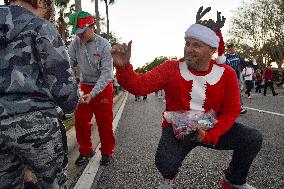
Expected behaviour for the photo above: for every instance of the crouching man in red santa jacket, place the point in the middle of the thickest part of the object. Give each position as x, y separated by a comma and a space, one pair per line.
195, 83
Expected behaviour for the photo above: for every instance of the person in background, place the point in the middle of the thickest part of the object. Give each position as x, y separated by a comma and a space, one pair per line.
247, 75
91, 59
145, 97
37, 87
281, 78
196, 84
116, 86
268, 81
234, 60
259, 79
137, 97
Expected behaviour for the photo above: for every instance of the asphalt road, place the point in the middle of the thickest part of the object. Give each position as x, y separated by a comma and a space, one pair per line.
139, 132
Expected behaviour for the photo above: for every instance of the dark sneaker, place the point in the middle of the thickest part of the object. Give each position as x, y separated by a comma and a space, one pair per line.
83, 159
106, 159
243, 111
227, 185
275, 94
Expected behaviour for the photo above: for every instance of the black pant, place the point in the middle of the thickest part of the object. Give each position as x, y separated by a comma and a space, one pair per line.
137, 97
249, 86
258, 87
270, 84
246, 143
145, 97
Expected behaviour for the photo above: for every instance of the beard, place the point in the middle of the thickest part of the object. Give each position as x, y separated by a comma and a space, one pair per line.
192, 61
197, 63
192, 65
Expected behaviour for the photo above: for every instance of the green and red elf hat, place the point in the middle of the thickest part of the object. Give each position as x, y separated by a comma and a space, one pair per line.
80, 21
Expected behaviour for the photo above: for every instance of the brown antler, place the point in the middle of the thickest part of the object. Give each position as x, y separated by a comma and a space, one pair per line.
220, 22
210, 23
201, 13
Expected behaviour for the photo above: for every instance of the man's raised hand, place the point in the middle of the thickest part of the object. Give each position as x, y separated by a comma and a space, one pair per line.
121, 53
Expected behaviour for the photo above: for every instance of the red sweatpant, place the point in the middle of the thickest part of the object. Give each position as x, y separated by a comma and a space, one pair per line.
101, 107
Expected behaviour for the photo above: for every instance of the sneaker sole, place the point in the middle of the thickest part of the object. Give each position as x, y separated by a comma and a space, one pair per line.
86, 161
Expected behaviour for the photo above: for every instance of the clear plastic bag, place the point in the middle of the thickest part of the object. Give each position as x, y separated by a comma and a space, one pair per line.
184, 122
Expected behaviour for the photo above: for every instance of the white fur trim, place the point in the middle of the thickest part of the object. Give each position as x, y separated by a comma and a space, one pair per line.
204, 34
221, 59
198, 92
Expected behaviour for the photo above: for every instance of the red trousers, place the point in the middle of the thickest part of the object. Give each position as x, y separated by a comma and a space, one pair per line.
101, 107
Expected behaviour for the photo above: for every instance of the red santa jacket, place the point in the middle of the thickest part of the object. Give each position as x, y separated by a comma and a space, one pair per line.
186, 89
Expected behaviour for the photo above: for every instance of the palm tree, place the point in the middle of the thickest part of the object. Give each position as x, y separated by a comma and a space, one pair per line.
60, 23
98, 27
107, 3
78, 5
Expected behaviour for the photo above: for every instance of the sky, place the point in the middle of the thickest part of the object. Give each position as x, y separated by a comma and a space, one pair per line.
157, 27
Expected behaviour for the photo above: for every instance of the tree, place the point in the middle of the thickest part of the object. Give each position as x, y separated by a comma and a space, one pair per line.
98, 27
149, 66
78, 5
98, 18
107, 3
258, 26
113, 40
60, 23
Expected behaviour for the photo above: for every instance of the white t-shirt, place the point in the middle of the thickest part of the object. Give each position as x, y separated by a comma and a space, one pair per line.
247, 73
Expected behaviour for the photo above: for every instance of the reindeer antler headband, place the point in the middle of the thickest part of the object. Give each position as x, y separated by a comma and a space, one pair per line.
204, 30
210, 23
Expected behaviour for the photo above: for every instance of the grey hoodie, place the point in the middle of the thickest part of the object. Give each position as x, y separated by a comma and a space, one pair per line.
35, 73
94, 61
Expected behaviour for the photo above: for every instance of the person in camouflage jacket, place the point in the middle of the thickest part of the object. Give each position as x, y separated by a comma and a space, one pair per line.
37, 85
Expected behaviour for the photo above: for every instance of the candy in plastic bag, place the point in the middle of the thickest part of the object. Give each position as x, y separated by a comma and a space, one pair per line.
185, 123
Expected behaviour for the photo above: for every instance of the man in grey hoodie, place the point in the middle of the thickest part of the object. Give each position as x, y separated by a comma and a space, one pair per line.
90, 53
37, 85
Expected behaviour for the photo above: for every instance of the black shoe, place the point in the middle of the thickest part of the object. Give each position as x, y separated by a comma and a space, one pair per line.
105, 160
83, 159
275, 94
243, 111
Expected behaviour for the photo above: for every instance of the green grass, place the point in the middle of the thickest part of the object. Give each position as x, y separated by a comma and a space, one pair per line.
69, 123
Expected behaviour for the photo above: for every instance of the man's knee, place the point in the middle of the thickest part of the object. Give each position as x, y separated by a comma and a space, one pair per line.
167, 167
258, 139
254, 141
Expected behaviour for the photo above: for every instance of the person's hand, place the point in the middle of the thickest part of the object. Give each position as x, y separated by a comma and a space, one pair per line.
200, 134
87, 98
81, 100
121, 53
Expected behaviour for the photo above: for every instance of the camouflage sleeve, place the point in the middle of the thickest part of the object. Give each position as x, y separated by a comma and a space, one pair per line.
106, 71
56, 69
